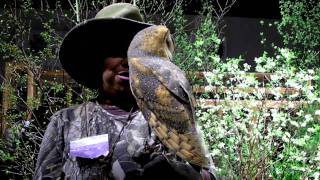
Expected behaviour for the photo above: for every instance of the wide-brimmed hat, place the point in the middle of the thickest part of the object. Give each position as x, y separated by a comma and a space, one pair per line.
108, 34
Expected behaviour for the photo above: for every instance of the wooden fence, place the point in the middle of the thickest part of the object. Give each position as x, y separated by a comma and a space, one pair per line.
62, 77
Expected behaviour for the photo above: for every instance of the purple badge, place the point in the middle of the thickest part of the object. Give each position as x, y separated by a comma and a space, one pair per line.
90, 147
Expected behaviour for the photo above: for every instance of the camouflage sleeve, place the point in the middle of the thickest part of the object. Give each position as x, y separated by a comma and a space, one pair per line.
49, 162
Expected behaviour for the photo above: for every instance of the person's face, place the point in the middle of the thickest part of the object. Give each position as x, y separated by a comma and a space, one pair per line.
115, 77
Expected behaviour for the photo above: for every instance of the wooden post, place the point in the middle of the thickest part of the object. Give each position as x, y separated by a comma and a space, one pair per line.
5, 100
30, 91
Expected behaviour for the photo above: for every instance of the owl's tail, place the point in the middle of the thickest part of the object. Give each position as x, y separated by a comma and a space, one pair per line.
187, 146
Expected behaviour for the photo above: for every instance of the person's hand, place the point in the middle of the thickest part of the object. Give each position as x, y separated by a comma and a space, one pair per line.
162, 168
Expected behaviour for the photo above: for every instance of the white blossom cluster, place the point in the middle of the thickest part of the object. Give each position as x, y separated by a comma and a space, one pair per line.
249, 138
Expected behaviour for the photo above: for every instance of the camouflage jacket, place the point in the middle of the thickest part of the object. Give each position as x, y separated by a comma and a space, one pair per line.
89, 119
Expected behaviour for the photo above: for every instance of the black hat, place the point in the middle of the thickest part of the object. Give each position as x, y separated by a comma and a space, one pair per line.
108, 34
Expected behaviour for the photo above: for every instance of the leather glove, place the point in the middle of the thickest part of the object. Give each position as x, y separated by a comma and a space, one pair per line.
162, 168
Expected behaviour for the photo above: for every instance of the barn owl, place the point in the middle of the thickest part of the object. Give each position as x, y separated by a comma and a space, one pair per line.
164, 95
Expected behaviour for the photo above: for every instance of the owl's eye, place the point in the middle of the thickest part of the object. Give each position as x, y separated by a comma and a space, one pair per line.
168, 41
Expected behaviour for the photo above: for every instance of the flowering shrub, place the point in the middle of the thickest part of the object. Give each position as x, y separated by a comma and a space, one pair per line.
249, 138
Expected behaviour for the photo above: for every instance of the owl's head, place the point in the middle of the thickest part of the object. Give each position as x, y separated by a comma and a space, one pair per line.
153, 41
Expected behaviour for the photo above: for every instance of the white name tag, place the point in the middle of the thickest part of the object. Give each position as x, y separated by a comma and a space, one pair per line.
90, 147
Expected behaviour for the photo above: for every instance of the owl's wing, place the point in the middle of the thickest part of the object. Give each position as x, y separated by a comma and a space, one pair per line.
172, 77
166, 88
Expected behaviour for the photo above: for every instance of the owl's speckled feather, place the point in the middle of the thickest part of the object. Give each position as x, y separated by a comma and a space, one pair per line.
164, 94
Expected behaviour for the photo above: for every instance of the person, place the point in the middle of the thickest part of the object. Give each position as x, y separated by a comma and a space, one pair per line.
94, 54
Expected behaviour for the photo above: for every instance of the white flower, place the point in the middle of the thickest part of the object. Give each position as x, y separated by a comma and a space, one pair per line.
287, 134
216, 59
306, 137
317, 112
246, 66
311, 130
294, 123
286, 53
299, 142
258, 60
316, 175
215, 152
197, 59
208, 88
260, 68
286, 137
281, 156
308, 117
317, 158
272, 64
300, 112
310, 71
221, 145
26, 123
266, 114
275, 77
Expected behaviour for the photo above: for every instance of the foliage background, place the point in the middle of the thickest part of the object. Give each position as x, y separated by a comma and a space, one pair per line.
246, 138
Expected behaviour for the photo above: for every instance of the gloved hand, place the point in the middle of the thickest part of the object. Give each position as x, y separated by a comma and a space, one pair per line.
161, 168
